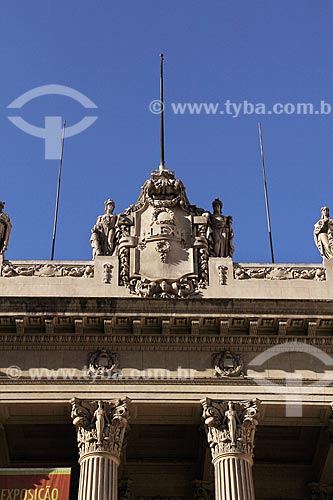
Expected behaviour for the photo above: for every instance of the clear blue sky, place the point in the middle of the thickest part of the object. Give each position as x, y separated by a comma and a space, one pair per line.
260, 51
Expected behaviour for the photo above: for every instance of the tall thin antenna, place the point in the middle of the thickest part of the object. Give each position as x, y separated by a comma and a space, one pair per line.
266, 192
58, 191
162, 163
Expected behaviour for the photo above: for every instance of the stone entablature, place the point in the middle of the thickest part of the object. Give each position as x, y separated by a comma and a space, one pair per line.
242, 321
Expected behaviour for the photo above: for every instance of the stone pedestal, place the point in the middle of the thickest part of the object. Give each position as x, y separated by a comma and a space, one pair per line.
230, 430
101, 428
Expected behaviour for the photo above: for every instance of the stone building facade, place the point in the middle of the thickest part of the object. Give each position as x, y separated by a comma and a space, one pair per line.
162, 369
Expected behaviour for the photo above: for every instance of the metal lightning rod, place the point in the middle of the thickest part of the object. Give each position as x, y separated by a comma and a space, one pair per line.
58, 191
266, 192
162, 163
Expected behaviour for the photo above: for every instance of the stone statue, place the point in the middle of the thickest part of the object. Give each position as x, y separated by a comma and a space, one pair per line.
220, 232
5, 229
103, 234
100, 418
323, 234
233, 420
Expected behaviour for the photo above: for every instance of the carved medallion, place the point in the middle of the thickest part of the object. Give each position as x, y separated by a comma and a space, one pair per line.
103, 363
227, 364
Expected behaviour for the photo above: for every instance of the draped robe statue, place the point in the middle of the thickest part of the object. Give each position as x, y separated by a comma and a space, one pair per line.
323, 234
5, 229
220, 232
103, 234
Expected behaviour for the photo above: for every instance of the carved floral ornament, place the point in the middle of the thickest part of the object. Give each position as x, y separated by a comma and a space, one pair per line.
163, 248
227, 364
107, 273
100, 425
230, 426
10, 269
279, 273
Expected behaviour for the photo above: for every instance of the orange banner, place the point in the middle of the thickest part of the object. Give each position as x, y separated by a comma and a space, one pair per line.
35, 484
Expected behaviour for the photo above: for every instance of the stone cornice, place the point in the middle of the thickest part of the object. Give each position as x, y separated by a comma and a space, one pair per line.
100, 306
209, 343
248, 382
153, 324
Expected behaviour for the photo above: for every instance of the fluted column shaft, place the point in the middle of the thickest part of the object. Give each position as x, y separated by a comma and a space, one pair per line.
101, 428
233, 478
98, 477
230, 428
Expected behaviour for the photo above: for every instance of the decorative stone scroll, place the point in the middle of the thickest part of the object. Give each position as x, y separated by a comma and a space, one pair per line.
103, 363
231, 425
10, 269
100, 425
227, 364
124, 252
279, 273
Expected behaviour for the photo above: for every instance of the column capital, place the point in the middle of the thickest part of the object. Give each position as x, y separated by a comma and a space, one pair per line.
231, 426
100, 426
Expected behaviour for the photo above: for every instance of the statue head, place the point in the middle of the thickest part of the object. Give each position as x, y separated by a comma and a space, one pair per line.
217, 205
325, 212
109, 206
2, 205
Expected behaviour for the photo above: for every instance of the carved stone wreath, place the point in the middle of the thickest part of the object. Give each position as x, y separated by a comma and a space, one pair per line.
158, 211
102, 363
227, 364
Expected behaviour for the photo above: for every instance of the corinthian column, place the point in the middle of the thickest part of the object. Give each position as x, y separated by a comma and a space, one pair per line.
230, 428
101, 428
